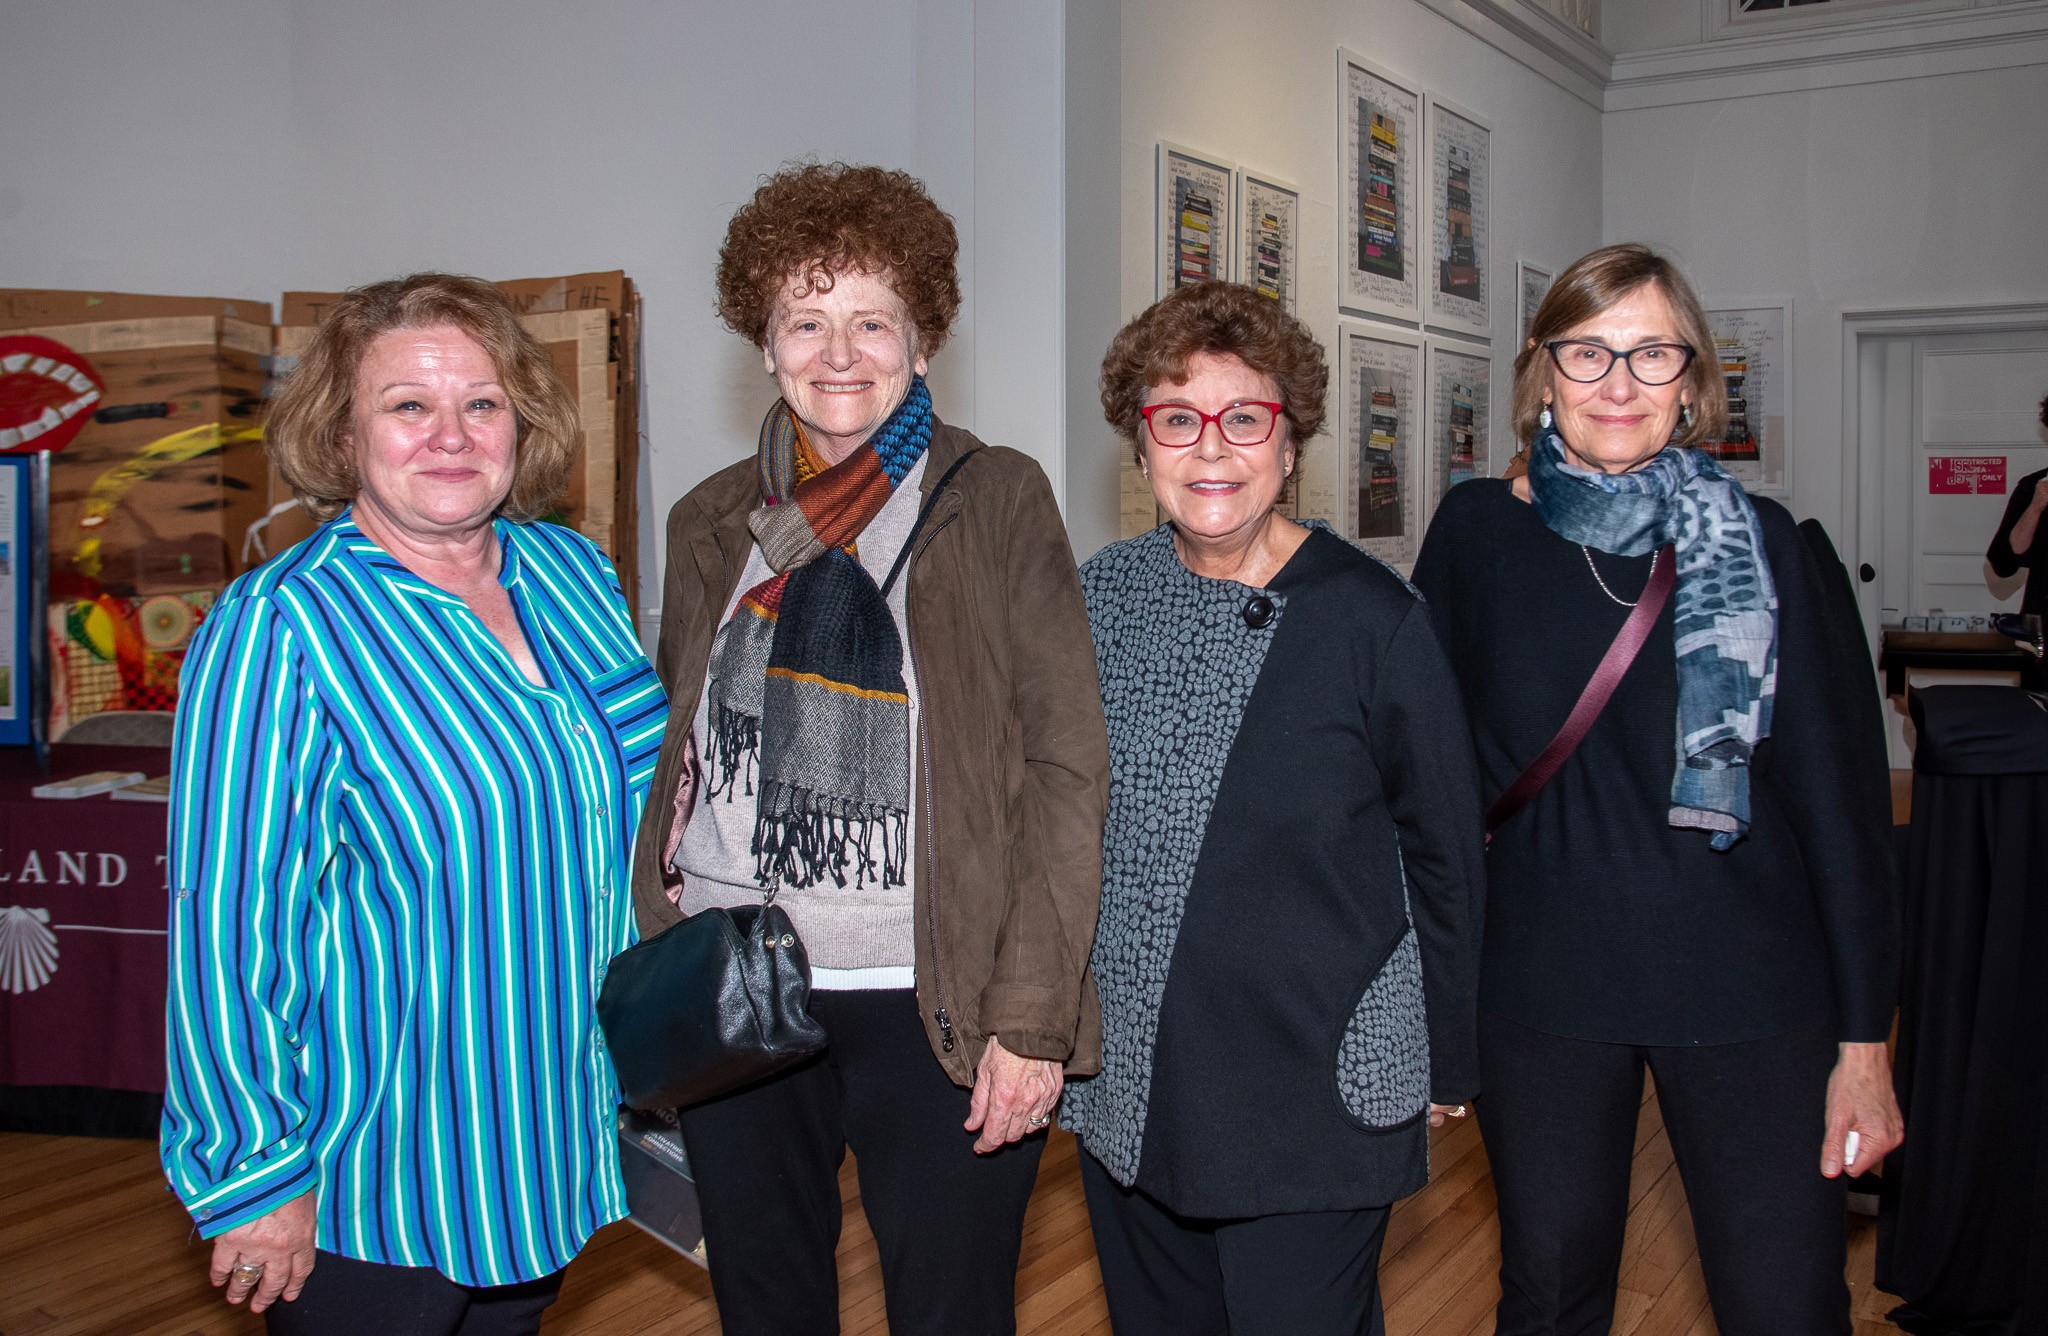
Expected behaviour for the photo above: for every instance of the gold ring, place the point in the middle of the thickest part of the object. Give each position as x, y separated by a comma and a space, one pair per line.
248, 1273
1458, 1112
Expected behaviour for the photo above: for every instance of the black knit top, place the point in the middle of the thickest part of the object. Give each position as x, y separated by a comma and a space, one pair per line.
1603, 921
1291, 884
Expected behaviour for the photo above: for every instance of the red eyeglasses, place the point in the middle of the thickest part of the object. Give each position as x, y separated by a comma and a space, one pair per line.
1177, 426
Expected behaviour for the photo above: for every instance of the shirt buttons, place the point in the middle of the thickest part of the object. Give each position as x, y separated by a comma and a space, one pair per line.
581, 730
206, 1213
600, 809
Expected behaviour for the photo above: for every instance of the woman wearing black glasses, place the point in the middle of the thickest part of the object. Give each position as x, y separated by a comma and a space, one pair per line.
1288, 945
1696, 881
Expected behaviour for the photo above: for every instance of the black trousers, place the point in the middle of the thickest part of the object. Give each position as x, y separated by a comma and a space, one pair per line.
347, 1297
1311, 1274
948, 1223
1745, 1122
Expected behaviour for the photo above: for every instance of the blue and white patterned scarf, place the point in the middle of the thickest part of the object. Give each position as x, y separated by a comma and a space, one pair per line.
1726, 620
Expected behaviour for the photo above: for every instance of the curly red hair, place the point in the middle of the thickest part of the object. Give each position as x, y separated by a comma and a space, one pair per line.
824, 220
1227, 318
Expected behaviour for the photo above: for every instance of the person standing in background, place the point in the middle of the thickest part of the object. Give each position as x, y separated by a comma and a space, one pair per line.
2013, 545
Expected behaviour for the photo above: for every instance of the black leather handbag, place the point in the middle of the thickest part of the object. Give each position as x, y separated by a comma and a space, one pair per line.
707, 1005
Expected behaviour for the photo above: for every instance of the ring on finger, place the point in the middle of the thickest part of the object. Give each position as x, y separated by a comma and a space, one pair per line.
247, 1273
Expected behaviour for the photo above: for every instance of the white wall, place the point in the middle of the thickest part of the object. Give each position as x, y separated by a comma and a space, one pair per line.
244, 147
1923, 192
1640, 25
1258, 87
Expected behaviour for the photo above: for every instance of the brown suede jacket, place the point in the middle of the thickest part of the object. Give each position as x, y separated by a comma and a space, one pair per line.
1012, 757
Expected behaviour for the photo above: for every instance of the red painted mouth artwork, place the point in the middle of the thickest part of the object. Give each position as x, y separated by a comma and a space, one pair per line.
46, 393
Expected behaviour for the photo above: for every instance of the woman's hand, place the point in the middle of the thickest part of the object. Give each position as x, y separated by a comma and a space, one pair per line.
281, 1243
1860, 1100
1013, 1096
2021, 539
1439, 1112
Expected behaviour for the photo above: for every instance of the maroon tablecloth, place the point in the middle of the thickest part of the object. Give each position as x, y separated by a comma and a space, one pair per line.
82, 912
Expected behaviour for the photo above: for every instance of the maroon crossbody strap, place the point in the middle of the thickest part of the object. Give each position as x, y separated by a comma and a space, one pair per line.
1613, 665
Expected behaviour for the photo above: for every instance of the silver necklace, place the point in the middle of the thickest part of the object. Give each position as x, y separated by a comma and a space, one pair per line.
1603, 584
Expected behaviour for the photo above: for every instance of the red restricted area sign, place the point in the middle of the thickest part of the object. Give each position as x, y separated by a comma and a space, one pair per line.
1966, 475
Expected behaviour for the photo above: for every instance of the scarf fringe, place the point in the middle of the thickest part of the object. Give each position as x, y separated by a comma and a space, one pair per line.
734, 752
802, 837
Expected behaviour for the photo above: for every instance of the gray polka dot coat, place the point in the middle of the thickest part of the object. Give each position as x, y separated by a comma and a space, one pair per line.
1292, 884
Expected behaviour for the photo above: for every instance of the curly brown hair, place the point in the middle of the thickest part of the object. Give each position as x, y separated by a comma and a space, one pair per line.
307, 434
1227, 318
1596, 281
823, 220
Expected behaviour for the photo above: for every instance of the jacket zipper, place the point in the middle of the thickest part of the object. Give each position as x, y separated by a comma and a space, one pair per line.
947, 1040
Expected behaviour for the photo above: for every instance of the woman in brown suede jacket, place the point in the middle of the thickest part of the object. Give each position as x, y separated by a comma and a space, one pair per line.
893, 726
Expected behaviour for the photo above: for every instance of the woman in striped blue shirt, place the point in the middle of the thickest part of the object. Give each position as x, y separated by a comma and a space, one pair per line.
410, 756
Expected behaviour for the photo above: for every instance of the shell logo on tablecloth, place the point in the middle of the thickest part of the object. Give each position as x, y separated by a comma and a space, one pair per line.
28, 949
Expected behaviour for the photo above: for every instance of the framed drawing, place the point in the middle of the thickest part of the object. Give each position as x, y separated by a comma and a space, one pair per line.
1460, 272
1531, 286
1269, 237
1194, 224
1381, 468
1752, 342
1380, 260
1460, 416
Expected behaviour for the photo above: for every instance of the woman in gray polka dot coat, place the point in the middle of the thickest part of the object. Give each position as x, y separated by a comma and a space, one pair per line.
1292, 878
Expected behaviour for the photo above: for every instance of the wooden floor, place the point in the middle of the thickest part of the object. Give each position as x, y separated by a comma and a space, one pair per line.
91, 1244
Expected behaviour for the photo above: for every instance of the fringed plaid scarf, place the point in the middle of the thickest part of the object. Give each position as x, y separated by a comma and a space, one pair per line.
1725, 621
806, 693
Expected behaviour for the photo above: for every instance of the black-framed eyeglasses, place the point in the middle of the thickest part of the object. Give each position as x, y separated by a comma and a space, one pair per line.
1650, 363
1177, 426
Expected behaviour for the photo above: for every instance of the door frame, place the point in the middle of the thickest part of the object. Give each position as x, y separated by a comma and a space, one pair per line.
1863, 487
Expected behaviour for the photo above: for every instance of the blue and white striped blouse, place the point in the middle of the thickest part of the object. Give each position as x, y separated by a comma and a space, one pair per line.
398, 870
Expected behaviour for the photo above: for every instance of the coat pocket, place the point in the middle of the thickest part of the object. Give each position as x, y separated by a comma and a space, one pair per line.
637, 709
1383, 1059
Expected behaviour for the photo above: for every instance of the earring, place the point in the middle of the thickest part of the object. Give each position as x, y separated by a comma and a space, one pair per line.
1685, 415
1543, 418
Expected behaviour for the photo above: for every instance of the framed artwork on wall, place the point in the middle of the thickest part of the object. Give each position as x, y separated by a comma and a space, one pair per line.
1531, 286
1195, 215
1381, 254
1752, 343
1460, 271
1460, 416
1269, 236
1382, 470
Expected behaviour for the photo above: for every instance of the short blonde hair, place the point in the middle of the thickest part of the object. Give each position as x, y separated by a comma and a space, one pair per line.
308, 431
1601, 279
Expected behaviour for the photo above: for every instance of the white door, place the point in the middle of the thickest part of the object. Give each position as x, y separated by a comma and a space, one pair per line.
1951, 406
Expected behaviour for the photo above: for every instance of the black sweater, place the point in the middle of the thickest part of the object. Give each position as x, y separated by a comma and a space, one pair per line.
1292, 885
1603, 921
2008, 562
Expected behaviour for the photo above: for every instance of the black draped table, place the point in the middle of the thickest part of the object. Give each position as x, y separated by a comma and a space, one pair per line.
82, 964
1963, 1231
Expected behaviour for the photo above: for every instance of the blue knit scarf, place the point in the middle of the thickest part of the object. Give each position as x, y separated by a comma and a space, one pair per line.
1726, 619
